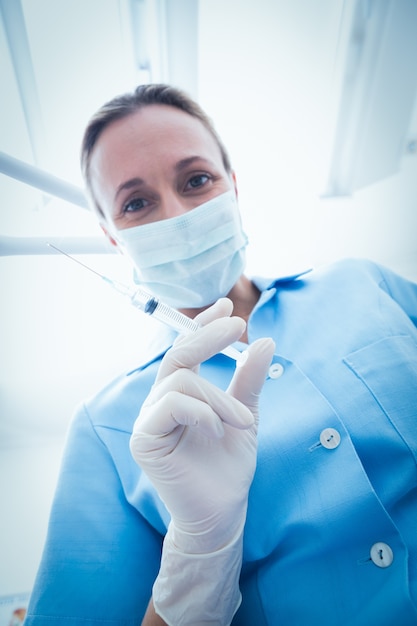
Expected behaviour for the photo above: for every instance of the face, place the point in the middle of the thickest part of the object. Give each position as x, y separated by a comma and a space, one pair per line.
157, 163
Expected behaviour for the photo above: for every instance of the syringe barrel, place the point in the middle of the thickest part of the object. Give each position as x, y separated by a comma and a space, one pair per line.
162, 312
174, 318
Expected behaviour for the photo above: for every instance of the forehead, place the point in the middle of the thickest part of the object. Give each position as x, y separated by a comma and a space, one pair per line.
151, 132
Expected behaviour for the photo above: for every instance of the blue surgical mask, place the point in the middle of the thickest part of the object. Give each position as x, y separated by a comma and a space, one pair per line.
191, 260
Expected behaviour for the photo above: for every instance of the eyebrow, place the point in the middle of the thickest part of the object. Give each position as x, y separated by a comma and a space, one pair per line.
128, 184
181, 165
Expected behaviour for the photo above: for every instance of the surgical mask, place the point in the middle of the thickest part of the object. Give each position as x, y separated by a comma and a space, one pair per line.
191, 260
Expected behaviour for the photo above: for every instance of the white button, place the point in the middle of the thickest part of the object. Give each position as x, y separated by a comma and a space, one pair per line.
276, 370
381, 554
329, 438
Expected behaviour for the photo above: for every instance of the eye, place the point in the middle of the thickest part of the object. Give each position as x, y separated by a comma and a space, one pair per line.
199, 180
137, 204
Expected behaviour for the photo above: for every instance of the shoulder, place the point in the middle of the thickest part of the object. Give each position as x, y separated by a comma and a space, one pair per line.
117, 405
344, 274
342, 269
349, 267
359, 271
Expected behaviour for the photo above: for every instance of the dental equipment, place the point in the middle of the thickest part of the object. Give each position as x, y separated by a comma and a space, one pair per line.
149, 304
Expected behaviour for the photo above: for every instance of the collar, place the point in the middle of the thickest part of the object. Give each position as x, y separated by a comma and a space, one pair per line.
264, 284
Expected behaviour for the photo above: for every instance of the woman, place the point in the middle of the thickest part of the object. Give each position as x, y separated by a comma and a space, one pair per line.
281, 493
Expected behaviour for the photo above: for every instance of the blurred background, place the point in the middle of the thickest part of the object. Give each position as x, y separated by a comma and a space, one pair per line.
316, 101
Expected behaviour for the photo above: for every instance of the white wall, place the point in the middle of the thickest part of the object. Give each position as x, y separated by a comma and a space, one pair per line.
27, 481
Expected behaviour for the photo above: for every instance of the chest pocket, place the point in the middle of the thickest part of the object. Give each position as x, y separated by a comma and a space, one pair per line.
388, 370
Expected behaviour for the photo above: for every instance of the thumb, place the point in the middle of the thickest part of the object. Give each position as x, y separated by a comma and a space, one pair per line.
249, 378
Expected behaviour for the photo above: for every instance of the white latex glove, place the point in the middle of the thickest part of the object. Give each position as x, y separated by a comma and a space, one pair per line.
198, 446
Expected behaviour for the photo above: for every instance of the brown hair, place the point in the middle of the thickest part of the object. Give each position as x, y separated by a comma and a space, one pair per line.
127, 104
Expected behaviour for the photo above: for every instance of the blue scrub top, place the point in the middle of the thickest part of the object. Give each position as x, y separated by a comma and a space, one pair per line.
331, 531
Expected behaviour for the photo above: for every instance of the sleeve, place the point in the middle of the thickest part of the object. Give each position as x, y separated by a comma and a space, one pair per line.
101, 556
402, 290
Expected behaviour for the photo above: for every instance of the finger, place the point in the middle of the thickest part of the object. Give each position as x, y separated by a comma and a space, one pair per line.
173, 412
199, 346
187, 384
222, 308
249, 378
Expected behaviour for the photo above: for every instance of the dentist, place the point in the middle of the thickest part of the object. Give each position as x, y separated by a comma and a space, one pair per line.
193, 493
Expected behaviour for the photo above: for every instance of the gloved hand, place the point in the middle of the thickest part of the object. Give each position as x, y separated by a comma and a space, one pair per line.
197, 444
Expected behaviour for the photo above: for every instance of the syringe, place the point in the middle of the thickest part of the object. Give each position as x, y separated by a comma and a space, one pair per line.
152, 306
